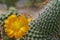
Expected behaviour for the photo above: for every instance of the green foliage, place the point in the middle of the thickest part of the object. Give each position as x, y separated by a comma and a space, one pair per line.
6, 38
10, 2
0, 1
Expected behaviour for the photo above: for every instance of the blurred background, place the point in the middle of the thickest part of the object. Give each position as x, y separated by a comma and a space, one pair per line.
20, 3
23, 6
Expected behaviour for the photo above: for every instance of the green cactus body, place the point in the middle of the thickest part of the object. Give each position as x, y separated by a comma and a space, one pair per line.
47, 24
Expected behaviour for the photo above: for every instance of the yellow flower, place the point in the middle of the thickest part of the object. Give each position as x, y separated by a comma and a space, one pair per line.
16, 26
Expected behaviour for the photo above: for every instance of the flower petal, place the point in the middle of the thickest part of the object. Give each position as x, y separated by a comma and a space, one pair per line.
10, 34
18, 35
23, 20
22, 33
25, 28
29, 19
6, 22
12, 18
6, 30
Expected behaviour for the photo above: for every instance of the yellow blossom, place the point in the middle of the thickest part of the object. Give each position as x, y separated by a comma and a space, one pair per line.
16, 26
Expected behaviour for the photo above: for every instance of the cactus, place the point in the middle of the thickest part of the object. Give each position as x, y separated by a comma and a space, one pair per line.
47, 25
